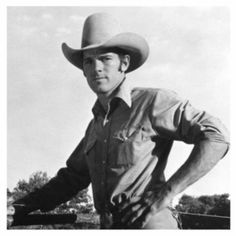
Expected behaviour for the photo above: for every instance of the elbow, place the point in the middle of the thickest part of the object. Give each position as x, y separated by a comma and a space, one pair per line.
217, 134
220, 141
215, 131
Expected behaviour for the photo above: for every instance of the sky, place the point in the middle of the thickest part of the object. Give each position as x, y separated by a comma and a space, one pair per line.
48, 99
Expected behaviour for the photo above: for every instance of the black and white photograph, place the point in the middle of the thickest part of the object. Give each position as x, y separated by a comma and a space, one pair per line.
118, 117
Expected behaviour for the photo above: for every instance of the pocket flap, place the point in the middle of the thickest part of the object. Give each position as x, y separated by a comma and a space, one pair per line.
127, 133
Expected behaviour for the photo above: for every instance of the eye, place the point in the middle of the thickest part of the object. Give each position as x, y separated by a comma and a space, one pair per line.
106, 58
87, 61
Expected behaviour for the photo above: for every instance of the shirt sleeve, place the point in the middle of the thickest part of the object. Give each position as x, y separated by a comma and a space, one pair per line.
66, 184
176, 119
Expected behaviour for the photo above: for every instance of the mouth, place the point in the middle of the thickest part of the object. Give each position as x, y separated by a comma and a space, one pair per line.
97, 78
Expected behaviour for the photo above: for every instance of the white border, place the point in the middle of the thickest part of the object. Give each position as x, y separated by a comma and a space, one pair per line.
3, 97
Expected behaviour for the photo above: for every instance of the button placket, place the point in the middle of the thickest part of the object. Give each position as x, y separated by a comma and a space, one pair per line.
105, 121
104, 137
106, 142
104, 157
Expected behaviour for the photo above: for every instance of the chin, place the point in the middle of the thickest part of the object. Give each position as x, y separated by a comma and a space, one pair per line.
101, 90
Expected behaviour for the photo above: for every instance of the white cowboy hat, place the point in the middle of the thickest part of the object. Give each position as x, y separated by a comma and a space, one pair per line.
101, 30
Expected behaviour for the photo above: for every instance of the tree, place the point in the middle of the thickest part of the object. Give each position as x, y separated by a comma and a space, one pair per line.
36, 181
82, 202
218, 205
221, 206
190, 204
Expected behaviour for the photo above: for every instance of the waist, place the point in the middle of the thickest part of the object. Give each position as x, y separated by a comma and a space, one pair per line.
164, 219
106, 220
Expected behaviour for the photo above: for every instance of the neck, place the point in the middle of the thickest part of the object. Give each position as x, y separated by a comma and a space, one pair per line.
104, 102
105, 98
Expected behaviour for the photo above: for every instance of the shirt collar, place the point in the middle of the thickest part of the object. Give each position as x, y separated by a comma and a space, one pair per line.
124, 93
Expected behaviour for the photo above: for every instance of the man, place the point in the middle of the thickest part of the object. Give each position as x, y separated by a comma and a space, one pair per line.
125, 148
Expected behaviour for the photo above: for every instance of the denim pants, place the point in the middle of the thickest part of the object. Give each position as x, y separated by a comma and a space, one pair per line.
162, 220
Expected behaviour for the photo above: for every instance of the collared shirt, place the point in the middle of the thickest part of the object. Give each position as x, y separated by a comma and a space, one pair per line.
125, 150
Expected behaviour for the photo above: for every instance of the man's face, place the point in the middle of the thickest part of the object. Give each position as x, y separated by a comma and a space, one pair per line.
102, 68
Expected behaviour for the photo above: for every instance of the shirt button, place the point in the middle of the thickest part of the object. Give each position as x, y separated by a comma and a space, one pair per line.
105, 140
103, 162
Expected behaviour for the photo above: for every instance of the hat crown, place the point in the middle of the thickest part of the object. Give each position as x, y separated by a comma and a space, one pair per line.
102, 30
99, 28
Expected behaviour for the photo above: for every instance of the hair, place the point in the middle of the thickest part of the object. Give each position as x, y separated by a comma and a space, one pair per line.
117, 50
120, 51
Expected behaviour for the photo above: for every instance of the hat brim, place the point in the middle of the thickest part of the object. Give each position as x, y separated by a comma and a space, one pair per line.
135, 45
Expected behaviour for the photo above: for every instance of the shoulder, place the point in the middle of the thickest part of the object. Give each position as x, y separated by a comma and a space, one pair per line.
158, 99
154, 93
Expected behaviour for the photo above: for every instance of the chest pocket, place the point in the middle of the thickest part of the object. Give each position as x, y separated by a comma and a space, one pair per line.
134, 133
131, 145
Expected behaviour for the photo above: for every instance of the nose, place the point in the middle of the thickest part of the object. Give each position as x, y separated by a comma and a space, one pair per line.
98, 66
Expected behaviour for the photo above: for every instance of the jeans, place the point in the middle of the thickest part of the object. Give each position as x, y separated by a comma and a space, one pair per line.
162, 220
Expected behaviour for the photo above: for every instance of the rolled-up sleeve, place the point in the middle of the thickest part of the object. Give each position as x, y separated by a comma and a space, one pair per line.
176, 119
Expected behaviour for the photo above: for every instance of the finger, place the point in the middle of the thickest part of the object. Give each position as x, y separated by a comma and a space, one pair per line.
143, 219
135, 216
128, 203
131, 213
126, 211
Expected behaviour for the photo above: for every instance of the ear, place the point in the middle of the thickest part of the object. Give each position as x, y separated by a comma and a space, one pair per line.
125, 62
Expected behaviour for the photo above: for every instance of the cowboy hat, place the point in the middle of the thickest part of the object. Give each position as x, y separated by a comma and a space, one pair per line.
101, 30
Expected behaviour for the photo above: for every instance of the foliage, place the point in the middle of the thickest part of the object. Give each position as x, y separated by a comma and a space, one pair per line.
82, 202
218, 205
36, 181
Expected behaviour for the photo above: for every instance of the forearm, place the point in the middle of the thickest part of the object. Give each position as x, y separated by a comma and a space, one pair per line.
59, 189
202, 159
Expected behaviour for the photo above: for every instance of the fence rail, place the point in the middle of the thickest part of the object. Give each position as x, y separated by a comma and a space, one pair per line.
186, 220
